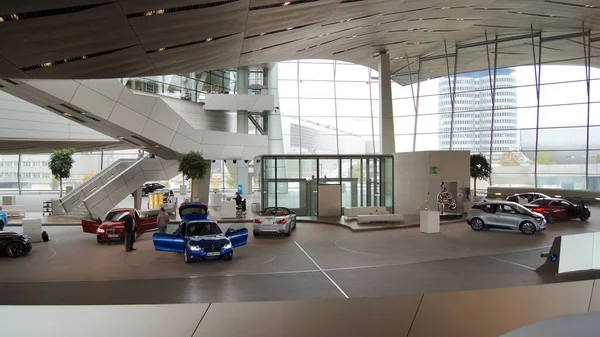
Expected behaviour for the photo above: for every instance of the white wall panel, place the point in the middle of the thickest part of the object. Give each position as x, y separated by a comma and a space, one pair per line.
98, 104
140, 103
128, 119
62, 89
158, 133
215, 137
576, 252
105, 87
164, 115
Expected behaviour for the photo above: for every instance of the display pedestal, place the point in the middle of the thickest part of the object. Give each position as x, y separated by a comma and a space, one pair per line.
430, 222
33, 228
228, 209
215, 199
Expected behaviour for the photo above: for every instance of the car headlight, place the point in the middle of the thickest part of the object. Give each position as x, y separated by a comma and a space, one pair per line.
539, 219
227, 246
195, 248
100, 230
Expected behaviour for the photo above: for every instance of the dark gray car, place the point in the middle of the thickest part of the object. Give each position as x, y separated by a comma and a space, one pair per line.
505, 215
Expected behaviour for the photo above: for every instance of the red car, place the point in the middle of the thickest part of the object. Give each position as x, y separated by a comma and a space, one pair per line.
555, 209
113, 226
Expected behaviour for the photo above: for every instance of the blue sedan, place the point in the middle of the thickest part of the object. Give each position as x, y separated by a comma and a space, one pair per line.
201, 240
3, 220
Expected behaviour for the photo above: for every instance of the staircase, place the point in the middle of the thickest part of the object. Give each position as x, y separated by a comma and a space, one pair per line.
103, 198
74, 199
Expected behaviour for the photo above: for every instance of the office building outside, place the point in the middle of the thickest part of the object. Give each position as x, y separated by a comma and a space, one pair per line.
472, 123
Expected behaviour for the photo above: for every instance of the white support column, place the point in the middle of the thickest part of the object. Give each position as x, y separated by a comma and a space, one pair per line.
386, 109
274, 117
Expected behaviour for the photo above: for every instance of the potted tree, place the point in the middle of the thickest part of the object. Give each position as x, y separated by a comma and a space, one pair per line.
480, 169
193, 166
61, 163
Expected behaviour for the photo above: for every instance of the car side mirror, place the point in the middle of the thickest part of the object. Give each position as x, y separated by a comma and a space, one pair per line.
230, 230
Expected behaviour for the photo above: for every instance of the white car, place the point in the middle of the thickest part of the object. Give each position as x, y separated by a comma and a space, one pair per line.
274, 220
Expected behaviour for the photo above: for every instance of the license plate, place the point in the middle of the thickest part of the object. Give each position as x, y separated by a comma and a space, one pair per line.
213, 254
113, 235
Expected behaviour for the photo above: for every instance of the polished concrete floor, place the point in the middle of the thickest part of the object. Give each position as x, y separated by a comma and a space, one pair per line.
316, 262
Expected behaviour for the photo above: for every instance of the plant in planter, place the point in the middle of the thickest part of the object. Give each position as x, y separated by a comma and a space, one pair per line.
61, 163
480, 169
193, 166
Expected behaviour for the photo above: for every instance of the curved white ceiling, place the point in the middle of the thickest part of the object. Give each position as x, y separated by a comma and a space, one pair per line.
121, 38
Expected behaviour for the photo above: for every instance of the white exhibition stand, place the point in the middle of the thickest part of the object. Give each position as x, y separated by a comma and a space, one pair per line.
430, 222
228, 209
215, 199
33, 228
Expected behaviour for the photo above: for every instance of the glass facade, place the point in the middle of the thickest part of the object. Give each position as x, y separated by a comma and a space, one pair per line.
292, 181
332, 107
328, 107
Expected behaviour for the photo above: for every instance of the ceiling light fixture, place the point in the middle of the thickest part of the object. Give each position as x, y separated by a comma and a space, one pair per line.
289, 28
262, 34
445, 7
590, 6
121, 137
209, 39
287, 3
67, 114
157, 146
155, 12
353, 36
1, 19
161, 49
84, 57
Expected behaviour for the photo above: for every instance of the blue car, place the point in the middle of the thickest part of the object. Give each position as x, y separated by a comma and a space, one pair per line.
3, 220
200, 239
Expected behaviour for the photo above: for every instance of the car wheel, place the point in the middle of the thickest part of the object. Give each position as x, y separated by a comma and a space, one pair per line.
477, 224
256, 234
527, 228
551, 218
15, 249
186, 256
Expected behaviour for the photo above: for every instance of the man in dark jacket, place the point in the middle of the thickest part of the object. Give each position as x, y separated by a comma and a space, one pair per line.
130, 232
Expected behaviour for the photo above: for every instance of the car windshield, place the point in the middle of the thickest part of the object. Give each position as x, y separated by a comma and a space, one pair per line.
115, 216
206, 228
193, 210
276, 211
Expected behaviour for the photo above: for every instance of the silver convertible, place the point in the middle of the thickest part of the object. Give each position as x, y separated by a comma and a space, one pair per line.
275, 220
505, 215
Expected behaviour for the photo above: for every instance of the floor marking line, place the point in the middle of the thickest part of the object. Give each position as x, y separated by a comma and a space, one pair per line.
201, 319
510, 262
428, 261
351, 250
592, 230
321, 269
270, 260
415, 316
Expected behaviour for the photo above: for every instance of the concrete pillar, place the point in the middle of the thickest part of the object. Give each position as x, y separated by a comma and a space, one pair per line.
386, 109
242, 82
242, 167
200, 189
137, 198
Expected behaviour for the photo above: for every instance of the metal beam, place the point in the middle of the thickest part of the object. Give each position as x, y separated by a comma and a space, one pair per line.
451, 92
537, 72
492, 91
256, 124
506, 39
415, 99
588, 60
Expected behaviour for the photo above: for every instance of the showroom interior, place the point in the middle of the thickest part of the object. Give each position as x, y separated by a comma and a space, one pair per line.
349, 128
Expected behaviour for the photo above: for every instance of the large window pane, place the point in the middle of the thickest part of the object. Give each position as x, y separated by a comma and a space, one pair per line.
316, 89
355, 144
287, 70
288, 106
561, 169
357, 108
404, 125
288, 89
430, 123
352, 90
345, 72
562, 139
317, 107
355, 126
404, 143
313, 71
428, 142
8, 171
563, 115
403, 107
563, 93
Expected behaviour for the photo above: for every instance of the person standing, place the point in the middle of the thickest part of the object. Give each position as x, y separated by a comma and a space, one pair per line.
162, 221
130, 232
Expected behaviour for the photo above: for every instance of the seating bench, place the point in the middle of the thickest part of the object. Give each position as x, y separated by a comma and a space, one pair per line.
353, 212
380, 218
13, 210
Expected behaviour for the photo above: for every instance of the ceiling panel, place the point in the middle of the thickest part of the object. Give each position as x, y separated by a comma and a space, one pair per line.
149, 37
